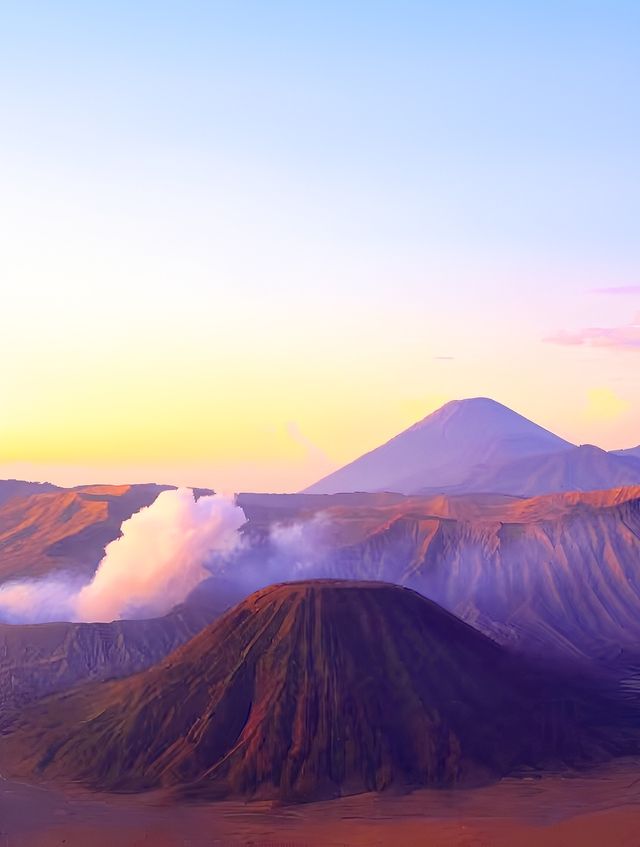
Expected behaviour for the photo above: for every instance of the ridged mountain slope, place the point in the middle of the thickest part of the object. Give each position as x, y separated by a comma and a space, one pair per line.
311, 690
40, 659
557, 573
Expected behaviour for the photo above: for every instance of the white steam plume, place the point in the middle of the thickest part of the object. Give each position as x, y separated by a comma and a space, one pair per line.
162, 555
37, 601
300, 547
293, 551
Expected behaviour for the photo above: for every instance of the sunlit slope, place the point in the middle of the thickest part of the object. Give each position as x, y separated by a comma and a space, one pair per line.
65, 530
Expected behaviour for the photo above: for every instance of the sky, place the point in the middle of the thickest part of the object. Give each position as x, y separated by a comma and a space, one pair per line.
241, 243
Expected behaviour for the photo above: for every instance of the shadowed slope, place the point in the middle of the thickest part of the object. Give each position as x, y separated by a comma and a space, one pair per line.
307, 690
39, 659
558, 572
584, 468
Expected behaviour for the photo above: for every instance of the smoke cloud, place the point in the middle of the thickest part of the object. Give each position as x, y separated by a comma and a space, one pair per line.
291, 551
162, 555
38, 601
164, 552
299, 548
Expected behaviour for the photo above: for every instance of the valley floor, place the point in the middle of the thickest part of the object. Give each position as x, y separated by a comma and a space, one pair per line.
594, 809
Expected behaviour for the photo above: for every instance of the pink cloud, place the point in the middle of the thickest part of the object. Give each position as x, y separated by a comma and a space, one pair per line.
614, 338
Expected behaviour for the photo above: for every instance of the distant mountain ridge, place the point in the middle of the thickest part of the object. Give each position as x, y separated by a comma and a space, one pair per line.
10, 488
481, 446
584, 468
634, 452
39, 659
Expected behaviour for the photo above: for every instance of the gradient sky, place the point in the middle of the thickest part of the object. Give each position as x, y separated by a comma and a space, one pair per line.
242, 243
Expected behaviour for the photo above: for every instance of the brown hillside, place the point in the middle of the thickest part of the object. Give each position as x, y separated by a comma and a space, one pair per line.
310, 690
65, 530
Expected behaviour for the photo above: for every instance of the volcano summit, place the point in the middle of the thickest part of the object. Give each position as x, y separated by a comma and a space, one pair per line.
310, 690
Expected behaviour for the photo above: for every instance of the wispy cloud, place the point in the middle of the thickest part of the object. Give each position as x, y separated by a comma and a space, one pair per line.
312, 450
444, 358
625, 337
620, 289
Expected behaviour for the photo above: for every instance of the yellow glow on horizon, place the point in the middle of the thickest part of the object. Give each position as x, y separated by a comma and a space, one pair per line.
275, 409
603, 404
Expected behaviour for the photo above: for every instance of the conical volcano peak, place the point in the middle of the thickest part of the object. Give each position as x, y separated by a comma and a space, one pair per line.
477, 411
445, 450
309, 690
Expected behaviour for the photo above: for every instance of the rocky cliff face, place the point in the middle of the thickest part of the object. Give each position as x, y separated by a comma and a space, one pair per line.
559, 573
39, 659
311, 690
